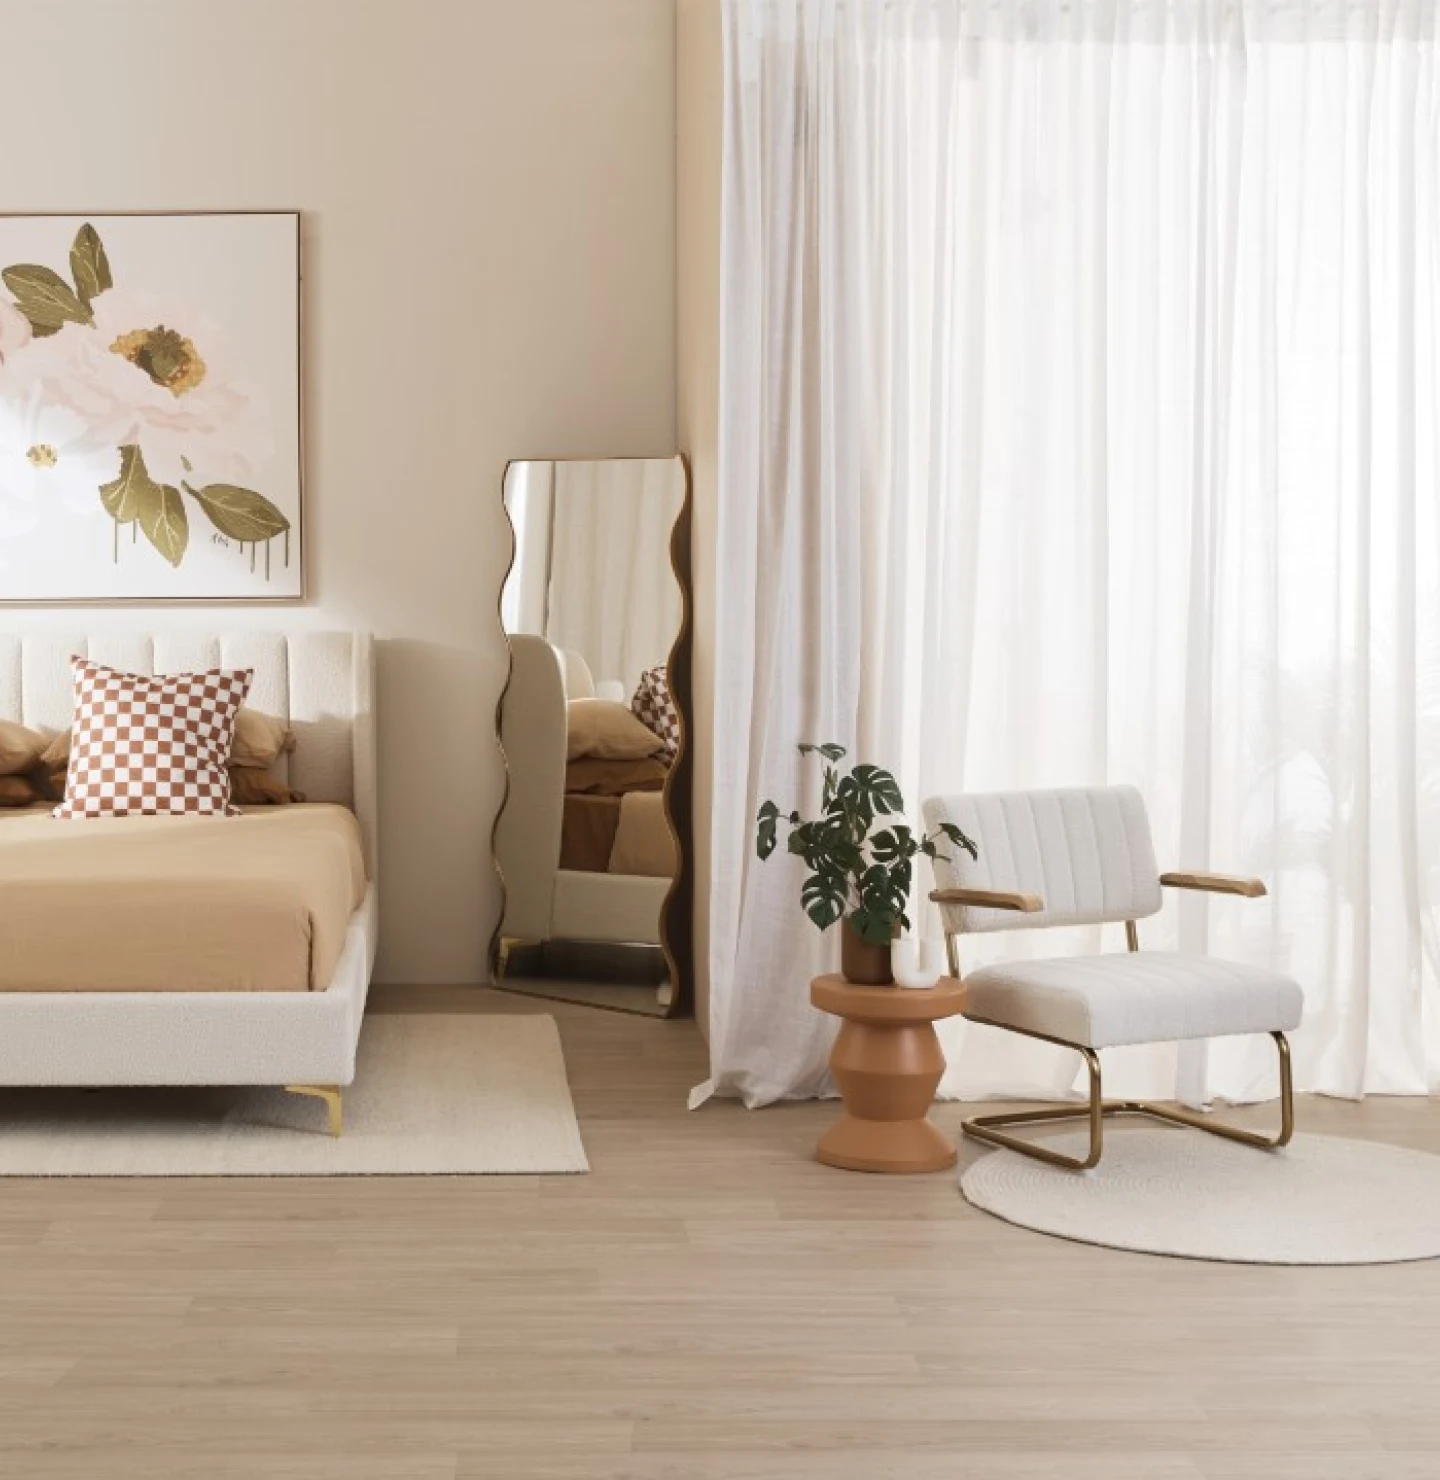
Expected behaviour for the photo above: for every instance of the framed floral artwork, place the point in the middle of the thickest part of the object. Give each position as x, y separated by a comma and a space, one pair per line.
150, 408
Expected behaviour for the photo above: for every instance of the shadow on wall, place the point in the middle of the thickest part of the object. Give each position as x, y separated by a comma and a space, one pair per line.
440, 787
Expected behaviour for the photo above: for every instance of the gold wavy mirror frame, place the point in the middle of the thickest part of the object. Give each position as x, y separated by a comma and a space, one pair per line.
592, 843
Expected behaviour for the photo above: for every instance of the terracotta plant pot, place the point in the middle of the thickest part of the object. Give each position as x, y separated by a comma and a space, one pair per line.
862, 963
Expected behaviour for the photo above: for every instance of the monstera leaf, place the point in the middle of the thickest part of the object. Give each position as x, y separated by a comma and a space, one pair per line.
855, 871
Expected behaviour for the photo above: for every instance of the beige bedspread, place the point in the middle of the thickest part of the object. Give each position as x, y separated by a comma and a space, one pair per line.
257, 903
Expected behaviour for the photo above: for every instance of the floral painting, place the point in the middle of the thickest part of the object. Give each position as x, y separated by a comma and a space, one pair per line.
150, 408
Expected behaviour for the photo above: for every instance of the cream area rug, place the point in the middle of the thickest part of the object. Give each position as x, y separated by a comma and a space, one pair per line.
1164, 1190
433, 1094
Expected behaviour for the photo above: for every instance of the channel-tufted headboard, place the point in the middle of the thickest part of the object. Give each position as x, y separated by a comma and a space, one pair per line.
322, 682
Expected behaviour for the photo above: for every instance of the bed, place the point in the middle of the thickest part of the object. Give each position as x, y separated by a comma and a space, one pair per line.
216, 1008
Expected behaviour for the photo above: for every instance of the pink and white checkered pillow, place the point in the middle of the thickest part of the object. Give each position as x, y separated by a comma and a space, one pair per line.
151, 747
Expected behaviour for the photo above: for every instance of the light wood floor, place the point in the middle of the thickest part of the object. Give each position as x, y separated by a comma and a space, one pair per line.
708, 1304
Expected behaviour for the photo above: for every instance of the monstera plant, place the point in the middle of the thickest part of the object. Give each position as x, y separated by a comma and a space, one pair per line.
857, 871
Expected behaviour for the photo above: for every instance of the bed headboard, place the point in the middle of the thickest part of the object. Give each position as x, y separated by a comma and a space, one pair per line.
322, 682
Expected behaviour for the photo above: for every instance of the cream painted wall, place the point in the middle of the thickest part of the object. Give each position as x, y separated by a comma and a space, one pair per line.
700, 93
489, 241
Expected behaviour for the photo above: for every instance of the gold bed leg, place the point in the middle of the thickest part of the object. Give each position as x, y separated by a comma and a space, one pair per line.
508, 943
985, 1127
330, 1093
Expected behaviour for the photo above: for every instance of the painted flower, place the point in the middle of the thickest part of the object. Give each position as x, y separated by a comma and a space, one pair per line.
50, 456
15, 331
150, 375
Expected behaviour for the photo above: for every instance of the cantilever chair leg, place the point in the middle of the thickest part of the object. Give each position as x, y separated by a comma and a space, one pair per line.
1234, 1132
985, 1127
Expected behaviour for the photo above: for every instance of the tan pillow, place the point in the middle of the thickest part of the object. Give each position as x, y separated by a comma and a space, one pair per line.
56, 755
20, 748
608, 731
644, 843
18, 791
260, 739
250, 786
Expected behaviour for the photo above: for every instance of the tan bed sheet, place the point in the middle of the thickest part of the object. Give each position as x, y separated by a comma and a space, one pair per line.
257, 903
587, 832
644, 843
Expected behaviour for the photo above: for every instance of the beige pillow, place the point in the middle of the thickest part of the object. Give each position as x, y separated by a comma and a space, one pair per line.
260, 739
643, 842
56, 755
20, 748
252, 786
19, 791
607, 730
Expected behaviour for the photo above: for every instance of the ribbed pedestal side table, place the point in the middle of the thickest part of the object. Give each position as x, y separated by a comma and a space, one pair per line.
887, 1062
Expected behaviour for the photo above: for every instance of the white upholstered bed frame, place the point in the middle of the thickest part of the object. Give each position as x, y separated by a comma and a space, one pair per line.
323, 683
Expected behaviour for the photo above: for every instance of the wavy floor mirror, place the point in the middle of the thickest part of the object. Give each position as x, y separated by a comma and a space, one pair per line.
592, 843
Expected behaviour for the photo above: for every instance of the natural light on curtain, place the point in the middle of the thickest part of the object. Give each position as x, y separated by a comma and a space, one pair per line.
1079, 424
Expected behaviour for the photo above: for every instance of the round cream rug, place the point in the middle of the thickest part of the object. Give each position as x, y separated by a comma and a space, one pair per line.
1163, 1190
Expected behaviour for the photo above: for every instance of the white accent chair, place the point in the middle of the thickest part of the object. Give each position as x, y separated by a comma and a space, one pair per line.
1085, 856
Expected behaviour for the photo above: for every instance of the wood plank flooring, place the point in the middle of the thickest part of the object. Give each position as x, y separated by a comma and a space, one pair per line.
708, 1304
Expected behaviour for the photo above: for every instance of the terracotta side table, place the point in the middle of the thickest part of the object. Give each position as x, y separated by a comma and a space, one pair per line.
887, 1062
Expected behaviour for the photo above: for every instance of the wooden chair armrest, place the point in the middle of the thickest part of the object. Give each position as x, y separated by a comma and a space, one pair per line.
1216, 884
990, 899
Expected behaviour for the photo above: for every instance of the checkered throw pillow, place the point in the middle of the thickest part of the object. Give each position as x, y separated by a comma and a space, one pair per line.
151, 747
654, 706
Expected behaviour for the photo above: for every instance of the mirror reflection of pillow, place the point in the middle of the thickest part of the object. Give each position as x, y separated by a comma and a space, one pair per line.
654, 706
608, 731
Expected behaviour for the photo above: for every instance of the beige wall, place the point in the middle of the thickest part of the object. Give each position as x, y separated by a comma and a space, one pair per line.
489, 198
700, 100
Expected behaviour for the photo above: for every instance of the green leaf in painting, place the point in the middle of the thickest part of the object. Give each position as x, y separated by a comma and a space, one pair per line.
122, 497
136, 498
89, 264
164, 522
238, 513
45, 298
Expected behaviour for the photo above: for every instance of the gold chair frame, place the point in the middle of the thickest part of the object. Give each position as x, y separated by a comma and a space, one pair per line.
1097, 1109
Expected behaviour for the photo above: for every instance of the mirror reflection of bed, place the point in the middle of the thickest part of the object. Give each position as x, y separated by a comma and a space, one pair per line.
589, 843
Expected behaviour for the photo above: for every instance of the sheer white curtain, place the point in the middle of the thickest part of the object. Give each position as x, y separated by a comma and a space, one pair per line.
1079, 410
